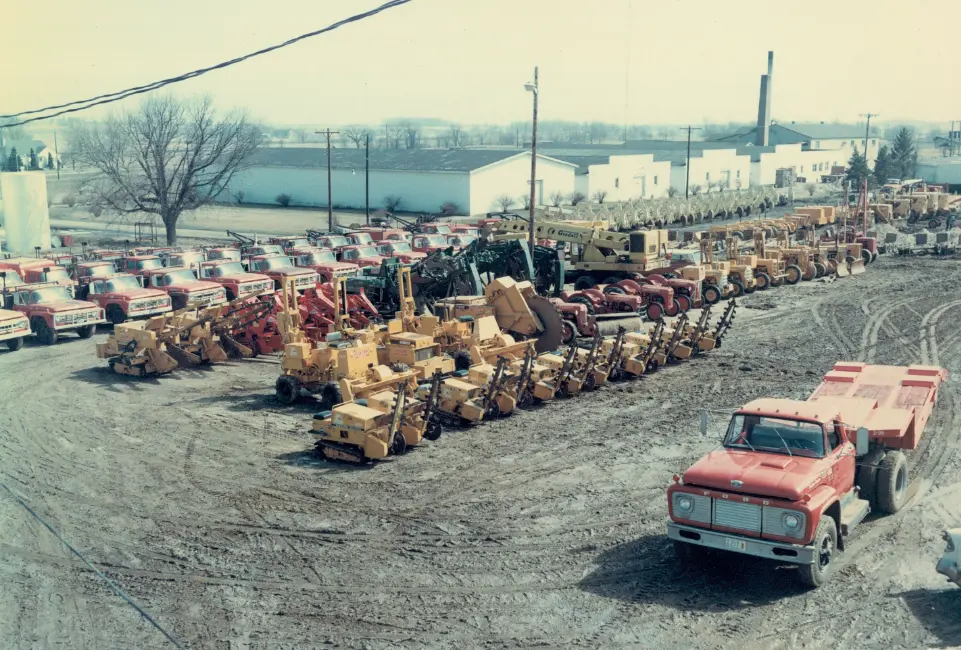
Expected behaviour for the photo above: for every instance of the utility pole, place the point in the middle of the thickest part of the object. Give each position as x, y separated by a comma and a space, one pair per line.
330, 198
367, 176
867, 133
56, 150
533, 88
687, 182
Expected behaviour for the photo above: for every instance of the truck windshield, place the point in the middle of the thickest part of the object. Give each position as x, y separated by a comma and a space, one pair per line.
56, 273
223, 270
437, 240
266, 250
300, 242
461, 240
367, 251
49, 294
776, 435
124, 283
361, 238
336, 242
276, 263
441, 230
321, 257
399, 247
99, 269
148, 264
181, 275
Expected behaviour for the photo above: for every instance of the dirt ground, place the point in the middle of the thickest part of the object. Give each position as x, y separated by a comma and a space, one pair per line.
196, 493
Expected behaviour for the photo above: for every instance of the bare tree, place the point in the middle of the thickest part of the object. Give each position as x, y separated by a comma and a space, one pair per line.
505, 201
301, 135
556, 199
811, 188
167, 157
454, 136
411, 135
576, 197
356, 134
526, 201
393, 135
392, 202
695, 189
672, 191
600, 195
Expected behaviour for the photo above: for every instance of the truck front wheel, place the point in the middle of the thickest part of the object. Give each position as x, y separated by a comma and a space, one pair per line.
45, 334
15, 344
115, 314
825, 545
892, 486
86, 331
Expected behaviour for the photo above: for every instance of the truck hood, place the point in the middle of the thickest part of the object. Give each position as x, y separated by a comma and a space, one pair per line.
137, 294
190, 287
292, 272
413, 255
245, 277
760, 473
66, 305
335, 266
371, 261
6, 315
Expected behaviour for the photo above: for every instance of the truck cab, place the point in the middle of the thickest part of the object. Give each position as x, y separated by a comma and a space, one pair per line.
265, 249
435, 229
280, 269
234, 278
123, 298
223, 253
363, 255
333, 242
428, 244
85, 272
14, 326
140, 264
33, 270
359, 238
460, 241
52, 310
184, 289
188, 259
290, 242
792, 477
384, 234
324, 262
400, 250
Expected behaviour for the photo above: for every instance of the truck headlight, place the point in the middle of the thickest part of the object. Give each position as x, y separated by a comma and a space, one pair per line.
791, 522
685, 503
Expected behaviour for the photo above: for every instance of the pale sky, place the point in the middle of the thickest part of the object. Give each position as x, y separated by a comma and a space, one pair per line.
467, 60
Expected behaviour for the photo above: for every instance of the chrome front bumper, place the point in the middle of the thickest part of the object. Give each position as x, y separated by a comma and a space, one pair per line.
780, 551
948, 567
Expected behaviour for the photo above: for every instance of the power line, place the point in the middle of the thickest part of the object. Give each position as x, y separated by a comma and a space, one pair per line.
110, 582
75, 106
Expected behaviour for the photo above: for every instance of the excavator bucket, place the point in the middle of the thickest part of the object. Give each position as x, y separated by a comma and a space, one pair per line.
212, 352
183, 356
159, 361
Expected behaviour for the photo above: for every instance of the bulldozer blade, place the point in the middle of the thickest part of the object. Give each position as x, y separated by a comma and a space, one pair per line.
609, 327
182, 356
856, 267
552, 334
842, 270
235, 346
161, 362
212, 351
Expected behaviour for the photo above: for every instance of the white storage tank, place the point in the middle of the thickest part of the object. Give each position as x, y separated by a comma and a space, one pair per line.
26, 216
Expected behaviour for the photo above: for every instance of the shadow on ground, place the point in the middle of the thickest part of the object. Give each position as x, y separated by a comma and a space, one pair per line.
245, 402
938, 611
310, 459
646, 570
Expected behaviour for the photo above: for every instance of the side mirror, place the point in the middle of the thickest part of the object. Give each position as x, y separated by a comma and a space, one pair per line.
703, 427
862, 442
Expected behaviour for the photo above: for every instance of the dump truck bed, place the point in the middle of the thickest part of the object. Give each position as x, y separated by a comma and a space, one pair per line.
892, 402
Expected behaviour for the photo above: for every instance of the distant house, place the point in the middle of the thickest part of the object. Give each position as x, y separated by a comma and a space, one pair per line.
23, 148
842, 138
425, 179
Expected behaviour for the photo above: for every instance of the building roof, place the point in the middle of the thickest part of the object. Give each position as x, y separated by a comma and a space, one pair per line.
416, 160
794, 133
23, 146
583, 161
673, 151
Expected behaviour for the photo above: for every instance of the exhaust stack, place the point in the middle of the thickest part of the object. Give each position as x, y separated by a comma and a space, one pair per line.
764, 104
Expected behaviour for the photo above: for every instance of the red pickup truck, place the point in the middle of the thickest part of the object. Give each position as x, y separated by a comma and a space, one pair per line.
400, 250
184, 289
280, 269
33, 270
793, 478
429, 243
139, 264
123, 298
324, 262
52, 310
223, 253
13, 327
364, 255
290, 242
234, 278
333, 242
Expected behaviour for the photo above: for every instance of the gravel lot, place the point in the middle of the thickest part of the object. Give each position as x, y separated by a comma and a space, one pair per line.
196, 493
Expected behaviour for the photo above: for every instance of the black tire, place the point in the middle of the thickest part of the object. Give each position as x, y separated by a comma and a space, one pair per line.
866, 256
738, 287
893, 480
820, 270
86, 331
462, 360
399, 444
433, 431
613, 288
584, 282
793, 274
810, 274
400, 367
45, 334
866, 476
15, 344
287, 389
651, 366
568, 332
178, 302
330, 396
711, 294
934, 224
826, 543
581, 300
231, 296
115, 314
763, 281
611, 280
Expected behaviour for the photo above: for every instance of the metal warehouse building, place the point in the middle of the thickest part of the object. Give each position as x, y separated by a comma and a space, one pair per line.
425, 179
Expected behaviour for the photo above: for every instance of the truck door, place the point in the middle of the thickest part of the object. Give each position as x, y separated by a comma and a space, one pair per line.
841, 454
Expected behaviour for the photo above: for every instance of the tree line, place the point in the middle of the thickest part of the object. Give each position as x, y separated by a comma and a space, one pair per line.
900, 160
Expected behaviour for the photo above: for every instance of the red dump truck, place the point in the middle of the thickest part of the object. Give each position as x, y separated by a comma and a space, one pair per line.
794, 477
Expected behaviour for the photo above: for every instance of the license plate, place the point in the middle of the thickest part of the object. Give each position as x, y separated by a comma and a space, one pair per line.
735, 544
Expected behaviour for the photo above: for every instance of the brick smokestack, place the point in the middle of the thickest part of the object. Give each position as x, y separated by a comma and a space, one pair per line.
764, 104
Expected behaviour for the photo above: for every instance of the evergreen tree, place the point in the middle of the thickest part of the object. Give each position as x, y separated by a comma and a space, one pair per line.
50, 164
857, 168
883, 166
13, 163
904, 154
34, 164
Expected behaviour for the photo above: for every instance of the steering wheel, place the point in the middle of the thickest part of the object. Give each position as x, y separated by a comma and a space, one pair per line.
801, 443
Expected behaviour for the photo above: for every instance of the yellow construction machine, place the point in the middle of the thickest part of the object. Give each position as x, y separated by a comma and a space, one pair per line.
740, 269
464, 400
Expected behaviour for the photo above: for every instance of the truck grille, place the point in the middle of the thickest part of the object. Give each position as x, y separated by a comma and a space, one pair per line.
742, 516
150, 303
206, 298
306, 280
76, 318
17, 325
344, 273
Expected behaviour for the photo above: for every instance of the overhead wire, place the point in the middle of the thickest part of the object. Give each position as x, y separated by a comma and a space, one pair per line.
130, 601
107, 98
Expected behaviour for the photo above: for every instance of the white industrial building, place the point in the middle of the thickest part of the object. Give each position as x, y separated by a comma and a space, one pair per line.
940, 170
834, 143
619, 177
425, 179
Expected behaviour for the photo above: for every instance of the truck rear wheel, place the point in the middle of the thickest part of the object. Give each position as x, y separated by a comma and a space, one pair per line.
115, 314
15, 344
825, 544
893, 479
